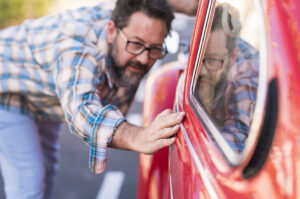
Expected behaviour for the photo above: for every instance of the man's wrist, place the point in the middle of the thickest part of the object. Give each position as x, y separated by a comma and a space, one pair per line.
115, 129
124, 136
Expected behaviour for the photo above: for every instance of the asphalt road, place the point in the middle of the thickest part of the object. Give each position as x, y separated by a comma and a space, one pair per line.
119, 181
75, 181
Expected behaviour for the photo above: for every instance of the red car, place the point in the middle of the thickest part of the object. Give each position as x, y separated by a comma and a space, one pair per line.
246, 144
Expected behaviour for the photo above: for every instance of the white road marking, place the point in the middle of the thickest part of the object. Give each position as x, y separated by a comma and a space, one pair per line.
111, 185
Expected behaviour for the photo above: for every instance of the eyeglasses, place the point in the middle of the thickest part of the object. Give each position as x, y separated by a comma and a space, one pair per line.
137, 48
213, 63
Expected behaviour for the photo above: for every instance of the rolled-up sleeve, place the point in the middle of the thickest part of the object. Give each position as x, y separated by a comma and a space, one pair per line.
76, 79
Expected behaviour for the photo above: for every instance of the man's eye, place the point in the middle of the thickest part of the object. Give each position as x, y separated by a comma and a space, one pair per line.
137, 43
156, 48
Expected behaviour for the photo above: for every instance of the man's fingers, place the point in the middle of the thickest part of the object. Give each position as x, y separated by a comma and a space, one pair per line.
169, 120
166, 142
168, 132
165, 112
161, 131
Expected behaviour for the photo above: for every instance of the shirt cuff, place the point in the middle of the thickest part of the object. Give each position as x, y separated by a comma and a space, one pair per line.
117, 125
104, 127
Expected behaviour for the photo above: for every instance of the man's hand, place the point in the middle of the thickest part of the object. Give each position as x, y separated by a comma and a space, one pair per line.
188, 7
148, 140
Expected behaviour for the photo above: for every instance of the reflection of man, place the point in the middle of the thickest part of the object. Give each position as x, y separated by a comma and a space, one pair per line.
57, 68
227, 82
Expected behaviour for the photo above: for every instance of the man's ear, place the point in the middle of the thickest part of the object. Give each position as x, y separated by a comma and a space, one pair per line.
111, 32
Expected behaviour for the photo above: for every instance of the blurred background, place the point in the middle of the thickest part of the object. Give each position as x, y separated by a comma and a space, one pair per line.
15, 11
75, 181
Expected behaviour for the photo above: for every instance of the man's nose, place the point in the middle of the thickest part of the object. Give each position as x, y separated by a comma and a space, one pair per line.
143, 58
203, 70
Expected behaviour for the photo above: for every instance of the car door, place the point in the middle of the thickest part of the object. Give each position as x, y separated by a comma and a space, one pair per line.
213, 153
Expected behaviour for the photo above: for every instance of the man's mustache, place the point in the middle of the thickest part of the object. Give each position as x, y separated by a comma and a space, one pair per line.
204, 78
138, 65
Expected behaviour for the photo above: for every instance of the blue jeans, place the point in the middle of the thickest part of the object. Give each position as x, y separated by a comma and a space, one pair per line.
28, 156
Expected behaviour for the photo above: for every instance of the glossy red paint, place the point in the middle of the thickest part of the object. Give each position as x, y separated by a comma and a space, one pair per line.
280, 175
153, 171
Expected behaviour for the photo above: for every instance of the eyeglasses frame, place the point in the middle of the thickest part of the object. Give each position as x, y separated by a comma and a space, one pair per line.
165, 50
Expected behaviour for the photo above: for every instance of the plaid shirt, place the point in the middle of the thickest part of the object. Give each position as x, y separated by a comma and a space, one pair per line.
55, 68
237, 103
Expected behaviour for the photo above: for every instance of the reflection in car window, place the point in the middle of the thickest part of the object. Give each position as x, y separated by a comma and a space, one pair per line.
227, 80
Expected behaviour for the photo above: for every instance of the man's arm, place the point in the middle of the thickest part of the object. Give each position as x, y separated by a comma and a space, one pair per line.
150, 139
185, 6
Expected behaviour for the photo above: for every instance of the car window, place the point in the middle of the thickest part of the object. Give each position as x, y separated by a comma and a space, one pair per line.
226, 77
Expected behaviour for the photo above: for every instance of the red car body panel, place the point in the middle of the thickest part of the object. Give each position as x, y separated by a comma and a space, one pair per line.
279, 176
153, 172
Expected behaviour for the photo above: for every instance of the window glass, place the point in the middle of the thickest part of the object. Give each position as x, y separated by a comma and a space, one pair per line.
227, 77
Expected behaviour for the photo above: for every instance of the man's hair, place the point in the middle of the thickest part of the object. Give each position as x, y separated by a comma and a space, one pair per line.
158, 9
226, 18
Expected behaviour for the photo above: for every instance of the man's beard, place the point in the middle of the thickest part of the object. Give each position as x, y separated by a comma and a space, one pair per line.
123, 78
131, 79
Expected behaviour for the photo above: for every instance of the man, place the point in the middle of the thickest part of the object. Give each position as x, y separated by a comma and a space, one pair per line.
228, 78
83, 67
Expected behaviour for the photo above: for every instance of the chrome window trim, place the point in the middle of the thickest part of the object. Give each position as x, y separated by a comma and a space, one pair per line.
234, 158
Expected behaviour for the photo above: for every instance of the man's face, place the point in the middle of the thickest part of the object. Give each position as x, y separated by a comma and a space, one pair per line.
215, 64
216, 58
142, 29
